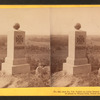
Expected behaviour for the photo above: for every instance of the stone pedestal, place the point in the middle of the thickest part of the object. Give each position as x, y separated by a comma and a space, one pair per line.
15, 62
77, 62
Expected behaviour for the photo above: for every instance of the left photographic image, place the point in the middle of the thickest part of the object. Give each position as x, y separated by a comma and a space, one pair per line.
24, 47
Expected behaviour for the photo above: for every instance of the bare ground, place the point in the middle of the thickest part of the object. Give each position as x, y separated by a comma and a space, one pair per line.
25, 80
61, 79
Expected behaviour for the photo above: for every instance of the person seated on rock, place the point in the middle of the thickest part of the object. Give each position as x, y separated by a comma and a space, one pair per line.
39, 70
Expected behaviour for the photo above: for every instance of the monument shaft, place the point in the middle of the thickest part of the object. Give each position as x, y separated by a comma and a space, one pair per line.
77, 62
15, 62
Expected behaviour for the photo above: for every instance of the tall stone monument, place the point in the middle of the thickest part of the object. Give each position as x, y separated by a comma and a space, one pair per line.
15, 62
77, 62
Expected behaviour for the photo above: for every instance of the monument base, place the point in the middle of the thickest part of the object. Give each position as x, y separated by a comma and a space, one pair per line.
77, 61
76, 69
10, 69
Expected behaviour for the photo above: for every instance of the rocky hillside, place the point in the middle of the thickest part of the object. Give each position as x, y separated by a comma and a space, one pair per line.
26, 80
61, 79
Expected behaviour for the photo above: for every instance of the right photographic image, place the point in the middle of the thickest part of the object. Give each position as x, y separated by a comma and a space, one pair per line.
75, 47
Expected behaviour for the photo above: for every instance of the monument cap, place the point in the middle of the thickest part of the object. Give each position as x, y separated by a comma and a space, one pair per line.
77, 26
16, 26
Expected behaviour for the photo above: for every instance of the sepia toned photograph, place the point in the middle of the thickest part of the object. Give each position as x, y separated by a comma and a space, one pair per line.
49, 47
24, 47
75, 47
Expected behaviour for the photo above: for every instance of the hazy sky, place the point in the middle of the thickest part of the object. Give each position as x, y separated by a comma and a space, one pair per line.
32, 20
64, 19
43, 21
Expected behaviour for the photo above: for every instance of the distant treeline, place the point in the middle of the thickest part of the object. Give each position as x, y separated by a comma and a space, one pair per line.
3, 40
38, 38
59, 40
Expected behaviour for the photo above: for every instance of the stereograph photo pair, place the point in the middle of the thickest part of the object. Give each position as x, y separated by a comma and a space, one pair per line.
49, 47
